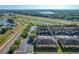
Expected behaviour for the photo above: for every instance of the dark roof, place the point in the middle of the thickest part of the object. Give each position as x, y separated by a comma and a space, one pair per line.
45, 42
65, 30
69, 41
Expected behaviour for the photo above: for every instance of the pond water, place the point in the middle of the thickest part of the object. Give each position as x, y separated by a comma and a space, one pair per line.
47, 12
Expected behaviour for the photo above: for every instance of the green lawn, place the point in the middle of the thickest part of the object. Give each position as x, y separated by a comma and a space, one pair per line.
4, 37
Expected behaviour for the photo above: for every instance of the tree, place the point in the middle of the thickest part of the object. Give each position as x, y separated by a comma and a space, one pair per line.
24, 34
4, 30
17, 42
33, 36
11, 50
14, 46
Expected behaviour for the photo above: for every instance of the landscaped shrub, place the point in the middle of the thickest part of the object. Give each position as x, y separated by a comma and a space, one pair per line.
12, 48
32, 37
24, 34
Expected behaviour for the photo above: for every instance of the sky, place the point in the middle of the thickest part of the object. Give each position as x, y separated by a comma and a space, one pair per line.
64, 7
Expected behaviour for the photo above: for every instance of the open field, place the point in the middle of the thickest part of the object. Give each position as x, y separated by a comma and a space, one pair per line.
34, 19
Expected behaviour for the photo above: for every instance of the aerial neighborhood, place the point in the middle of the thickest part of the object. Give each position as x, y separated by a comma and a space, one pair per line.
39, 31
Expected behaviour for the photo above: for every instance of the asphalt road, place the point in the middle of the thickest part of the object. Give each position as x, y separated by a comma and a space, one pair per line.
25, 48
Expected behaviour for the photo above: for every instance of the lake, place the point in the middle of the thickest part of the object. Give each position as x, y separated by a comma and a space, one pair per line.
47, 12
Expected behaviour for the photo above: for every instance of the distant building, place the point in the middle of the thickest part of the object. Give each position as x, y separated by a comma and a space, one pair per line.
3, 22
11, 26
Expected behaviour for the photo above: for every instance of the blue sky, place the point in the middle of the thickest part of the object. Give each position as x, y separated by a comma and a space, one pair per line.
39, 7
